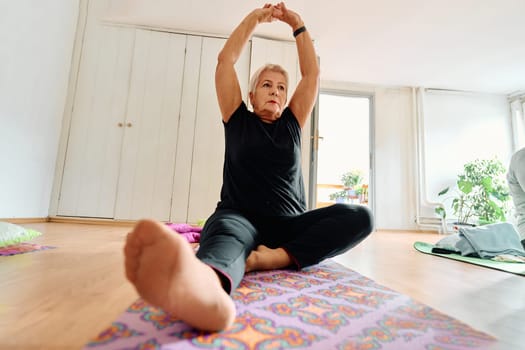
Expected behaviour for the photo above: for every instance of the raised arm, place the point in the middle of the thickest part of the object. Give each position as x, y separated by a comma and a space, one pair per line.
226, 82
303, 99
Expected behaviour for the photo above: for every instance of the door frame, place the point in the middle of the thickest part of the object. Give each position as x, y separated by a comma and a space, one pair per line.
314, 138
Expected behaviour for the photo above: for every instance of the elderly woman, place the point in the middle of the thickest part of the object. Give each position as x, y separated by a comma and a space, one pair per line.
261, 221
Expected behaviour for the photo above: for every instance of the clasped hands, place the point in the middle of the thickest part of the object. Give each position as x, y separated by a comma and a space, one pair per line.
279, 12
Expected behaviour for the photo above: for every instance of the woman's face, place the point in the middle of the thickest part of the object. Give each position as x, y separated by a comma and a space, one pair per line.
269, 98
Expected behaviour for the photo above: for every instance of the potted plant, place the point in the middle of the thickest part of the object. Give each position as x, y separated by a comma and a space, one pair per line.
352, 178
480, 196
339, 196
352, 182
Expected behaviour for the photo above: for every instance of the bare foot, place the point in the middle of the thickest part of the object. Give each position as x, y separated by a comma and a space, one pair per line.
166, 273
264, 258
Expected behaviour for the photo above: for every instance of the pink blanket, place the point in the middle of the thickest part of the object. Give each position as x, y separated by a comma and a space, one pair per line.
191, 233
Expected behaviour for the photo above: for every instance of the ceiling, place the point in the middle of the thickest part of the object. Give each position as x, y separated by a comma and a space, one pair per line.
471, 45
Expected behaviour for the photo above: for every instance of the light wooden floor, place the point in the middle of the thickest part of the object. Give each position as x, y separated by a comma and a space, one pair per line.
61, 298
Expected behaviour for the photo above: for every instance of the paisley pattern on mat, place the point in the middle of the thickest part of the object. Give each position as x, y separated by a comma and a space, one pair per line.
326, 306
252, 332
152, 315
115, 331
249, 292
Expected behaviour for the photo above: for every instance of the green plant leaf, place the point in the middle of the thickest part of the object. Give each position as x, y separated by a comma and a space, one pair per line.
441, 212
486, 183
443, 191
501, 196
465, 186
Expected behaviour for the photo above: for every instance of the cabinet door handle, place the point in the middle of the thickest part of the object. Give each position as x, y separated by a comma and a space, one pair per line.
129, 125
120, 125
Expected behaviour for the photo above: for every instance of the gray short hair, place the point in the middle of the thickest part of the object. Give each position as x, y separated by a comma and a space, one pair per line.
268, 67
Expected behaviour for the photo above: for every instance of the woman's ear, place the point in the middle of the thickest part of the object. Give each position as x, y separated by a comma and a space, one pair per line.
250, 95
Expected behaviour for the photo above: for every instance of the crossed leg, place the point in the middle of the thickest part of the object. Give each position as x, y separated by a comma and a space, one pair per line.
166, 273
313, 236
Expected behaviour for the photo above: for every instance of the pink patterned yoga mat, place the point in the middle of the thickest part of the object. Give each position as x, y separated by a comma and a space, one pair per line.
22, 248
324, 307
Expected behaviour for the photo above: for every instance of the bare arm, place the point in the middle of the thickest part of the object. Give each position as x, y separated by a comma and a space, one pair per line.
226, 82
303, 99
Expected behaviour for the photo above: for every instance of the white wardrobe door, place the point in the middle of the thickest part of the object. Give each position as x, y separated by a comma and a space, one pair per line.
184, 154
208, 149
151, 127
90, 174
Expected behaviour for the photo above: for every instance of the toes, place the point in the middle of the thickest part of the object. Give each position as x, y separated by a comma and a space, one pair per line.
131, 249
251, 261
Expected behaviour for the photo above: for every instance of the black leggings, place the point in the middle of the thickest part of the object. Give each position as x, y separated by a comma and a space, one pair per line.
229, 236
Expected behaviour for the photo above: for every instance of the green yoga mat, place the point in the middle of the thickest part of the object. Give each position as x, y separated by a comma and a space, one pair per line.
516, 268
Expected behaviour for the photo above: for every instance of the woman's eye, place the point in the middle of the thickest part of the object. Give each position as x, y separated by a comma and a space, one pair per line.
281, 88
266, 84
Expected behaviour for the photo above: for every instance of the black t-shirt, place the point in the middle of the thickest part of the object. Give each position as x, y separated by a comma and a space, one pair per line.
262, 165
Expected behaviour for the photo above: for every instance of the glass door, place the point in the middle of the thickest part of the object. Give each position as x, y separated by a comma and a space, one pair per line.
342, 150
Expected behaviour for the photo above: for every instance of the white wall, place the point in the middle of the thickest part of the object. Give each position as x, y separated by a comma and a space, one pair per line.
35, 56
460, 127
395, 185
